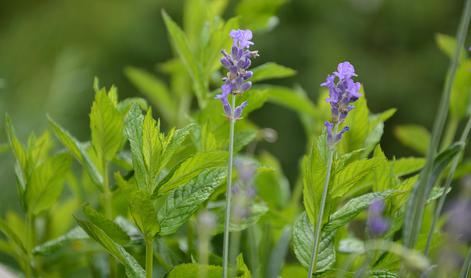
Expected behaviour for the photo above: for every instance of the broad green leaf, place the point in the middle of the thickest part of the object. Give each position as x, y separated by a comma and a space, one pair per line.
106, 125
260, 14
256, 99
112, 229
175, 142
352, 208
413, 136
303, 244
144, 213
51, 246
291, 99
416, 203
271, 71
358, 121
12, 237
461, 91
77, 150
181, 203
407, 165
345, 179
45, 185
447, 44
133, 269
195, 271
190, 168
383, 176
183, 49
314, 173
155, 90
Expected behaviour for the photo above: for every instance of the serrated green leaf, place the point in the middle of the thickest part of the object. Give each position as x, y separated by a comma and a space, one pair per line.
51, 246
106, 125
271, 71
133, 269
303, 244
383, 176
190, 168
46, 182
358, 122
77, 150
112, 229
407, 165
144, 213
352, 208
155, 90
345, 179
181, 203
413, 136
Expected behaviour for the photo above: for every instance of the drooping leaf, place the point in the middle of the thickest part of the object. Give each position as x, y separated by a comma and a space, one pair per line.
112, 229
155, 90
182, 202
133, 269
413, 136
46, 183
303, 244
271, 71
51, 246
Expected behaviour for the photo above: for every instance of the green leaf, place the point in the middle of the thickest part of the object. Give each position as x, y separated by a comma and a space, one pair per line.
345, 179
112, 229
242, 269
383, 176
133, 269
45, 185
407, 165
106, 125
447, 44
182, 46
303, 244
194, 270
382, 274
271, 71
190, 168
183, 202
358, 122
278, 254
414, 136
175, 140
256, 211
77, 150
155, 90
291, 99
144, 213
12, 237
52, 246
260, 14
461, 91
21, 167
352, 208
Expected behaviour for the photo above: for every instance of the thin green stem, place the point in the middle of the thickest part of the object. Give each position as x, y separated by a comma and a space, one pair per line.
108, 207
252, 247
466, 268
417, 203
30, 234
149, 256
449, 179
225, 257
320, 216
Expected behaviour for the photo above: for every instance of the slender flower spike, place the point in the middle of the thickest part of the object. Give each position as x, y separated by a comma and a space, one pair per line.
376, 223
237, 64
342, 92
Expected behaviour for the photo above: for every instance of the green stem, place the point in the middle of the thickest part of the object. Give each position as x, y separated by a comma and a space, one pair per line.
449, 179
320, 216
30, 234
235, 247
149, 256
466, 269
108, 207
418, 199
228, 191
252, 248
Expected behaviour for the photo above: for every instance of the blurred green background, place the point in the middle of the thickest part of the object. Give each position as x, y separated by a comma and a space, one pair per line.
50, 51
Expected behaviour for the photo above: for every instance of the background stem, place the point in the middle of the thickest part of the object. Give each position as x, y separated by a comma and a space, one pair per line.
227, 222
149, 256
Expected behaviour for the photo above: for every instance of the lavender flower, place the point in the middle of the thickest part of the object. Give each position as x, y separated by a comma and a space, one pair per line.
237, 64
342, 92
376, 223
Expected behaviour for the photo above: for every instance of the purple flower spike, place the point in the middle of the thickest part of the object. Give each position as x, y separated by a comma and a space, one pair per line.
237, 64
342, 92
376, 223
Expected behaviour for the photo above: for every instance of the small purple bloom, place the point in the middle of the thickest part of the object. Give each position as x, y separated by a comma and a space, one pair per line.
237, 64
342, 92
376, 223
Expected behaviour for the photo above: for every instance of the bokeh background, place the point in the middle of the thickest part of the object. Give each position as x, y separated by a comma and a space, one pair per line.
50, 51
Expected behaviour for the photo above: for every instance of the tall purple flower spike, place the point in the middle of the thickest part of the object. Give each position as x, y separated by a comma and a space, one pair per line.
376, 223
342, 92
237, 64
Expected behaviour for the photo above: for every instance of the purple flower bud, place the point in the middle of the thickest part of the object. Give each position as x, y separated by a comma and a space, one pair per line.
376, 223
332, 138
239, 109
242, 38
245, 169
